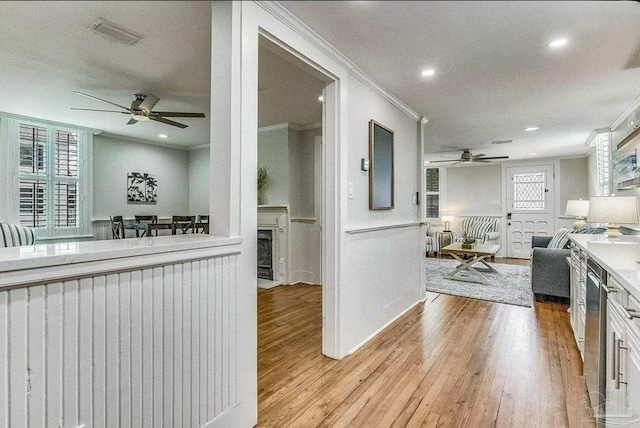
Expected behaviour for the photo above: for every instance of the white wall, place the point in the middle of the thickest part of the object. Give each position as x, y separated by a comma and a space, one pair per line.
574, 181
470, 190
4, 185
382, 267
199, 181
114, 158
273, 153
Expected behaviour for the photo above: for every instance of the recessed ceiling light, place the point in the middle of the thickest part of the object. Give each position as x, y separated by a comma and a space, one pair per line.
428, 72
557, 43
531, 154
163, 136
531, 128
321, 98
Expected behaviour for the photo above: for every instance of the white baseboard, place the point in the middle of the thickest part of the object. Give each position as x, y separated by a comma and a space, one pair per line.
267, 284
375, 333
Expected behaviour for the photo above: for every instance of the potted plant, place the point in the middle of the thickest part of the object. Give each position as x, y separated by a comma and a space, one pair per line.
468, 243
263, 182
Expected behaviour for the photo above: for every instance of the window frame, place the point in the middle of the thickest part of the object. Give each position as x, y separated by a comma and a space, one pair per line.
440, 193
603, 166
10, 138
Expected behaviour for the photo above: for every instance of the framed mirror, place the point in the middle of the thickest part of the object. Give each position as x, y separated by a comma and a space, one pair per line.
381, 167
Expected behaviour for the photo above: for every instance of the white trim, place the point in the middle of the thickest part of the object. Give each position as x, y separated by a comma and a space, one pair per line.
49, 122
303, 220
375, 333
285, 125
310, 126
303, 30
199, 146
354, 231
58, 238
623, 116
141, 141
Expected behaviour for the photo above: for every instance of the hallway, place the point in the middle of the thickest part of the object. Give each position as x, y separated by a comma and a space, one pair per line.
450, 362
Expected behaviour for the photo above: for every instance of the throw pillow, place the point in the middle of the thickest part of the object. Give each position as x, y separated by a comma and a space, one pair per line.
587, 229
560, 239
479, 229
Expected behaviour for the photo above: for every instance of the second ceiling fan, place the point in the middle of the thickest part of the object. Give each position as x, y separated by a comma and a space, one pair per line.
142, 110
468, 157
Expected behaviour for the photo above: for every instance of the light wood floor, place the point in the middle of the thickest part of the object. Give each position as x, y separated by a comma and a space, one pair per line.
450, 362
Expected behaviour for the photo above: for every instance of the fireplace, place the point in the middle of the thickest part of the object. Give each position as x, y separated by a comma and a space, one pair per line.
265, 254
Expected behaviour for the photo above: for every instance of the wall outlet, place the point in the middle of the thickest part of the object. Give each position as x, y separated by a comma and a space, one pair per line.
350, 186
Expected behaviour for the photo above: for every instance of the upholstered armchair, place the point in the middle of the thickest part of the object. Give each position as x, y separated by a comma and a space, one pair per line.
482, 229
432, 240
15, 235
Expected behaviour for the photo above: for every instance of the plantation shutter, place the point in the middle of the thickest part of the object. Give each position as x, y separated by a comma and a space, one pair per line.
65, 201
33, 172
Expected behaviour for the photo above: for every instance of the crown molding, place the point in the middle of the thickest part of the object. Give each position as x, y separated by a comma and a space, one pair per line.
634, 105
275, 127
6, 115
285, 16
199, 146
141, 141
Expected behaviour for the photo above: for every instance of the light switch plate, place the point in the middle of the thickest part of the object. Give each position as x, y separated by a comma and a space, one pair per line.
364, 164
350, 186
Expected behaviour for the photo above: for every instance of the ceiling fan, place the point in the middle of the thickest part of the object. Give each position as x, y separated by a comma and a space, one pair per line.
142, 110
467, 157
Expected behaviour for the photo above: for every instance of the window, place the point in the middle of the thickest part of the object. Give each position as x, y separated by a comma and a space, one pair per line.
603, 163
529, 191
50, 179
432, 197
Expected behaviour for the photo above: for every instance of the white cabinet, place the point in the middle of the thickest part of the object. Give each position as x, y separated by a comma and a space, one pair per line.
623, 368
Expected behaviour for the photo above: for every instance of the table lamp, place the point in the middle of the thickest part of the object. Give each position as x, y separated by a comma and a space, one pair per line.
578, 209
613, 210
447, 219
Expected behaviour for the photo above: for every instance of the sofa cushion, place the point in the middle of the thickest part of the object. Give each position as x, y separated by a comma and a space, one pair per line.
15, 235
477, 230
560, 239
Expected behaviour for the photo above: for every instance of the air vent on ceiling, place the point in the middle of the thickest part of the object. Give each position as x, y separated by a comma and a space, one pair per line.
502, 142
115, 32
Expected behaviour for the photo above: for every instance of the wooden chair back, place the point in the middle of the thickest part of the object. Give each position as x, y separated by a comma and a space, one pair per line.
202, 224
147, 218
117, 227
184, 223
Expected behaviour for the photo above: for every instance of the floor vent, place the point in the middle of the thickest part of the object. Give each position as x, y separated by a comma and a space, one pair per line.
115, 32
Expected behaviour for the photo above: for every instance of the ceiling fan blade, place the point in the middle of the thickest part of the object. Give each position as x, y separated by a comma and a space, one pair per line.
149, 103
100, 99
167, 121
479, 160
93, 109
176, 114
132, 121
450, 160
494, 157
478, 156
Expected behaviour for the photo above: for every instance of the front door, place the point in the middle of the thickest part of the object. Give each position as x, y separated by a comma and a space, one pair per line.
530, 207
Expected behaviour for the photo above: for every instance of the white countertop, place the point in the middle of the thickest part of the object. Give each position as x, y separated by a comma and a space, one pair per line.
44, 255
619, 257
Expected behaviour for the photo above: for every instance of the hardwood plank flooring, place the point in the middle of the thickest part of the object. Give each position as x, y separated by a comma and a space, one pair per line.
451, 361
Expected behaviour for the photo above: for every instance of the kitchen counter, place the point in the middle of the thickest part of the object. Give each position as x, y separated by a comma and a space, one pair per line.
619, 257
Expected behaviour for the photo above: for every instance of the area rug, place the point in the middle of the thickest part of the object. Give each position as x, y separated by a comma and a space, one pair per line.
511, 284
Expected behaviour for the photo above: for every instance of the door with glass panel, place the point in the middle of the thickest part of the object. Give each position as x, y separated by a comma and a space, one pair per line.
530, 207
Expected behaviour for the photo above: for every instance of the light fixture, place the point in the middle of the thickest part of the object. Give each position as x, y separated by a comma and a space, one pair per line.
578, 209
557, 43
447, 219
613, 210
163, 136
140, 117
428, 72
531, 128
531, 154
321, 98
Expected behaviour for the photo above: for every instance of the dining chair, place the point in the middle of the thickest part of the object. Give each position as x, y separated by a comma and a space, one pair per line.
185, 223
153, 219
117, 227
202, 224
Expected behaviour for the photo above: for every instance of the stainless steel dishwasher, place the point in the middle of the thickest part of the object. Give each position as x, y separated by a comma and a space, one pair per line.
595, 333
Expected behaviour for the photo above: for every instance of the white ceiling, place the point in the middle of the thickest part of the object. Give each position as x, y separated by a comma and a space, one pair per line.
47, 53
495, 74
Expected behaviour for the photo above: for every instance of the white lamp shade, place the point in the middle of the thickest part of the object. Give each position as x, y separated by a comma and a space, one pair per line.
613, 209
577, 208
446, 218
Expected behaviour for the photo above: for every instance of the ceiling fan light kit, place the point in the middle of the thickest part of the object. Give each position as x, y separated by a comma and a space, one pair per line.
141, 110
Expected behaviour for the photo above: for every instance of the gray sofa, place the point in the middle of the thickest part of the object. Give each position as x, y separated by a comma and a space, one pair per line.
550, 272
